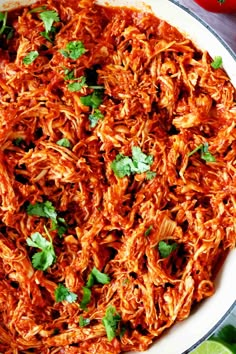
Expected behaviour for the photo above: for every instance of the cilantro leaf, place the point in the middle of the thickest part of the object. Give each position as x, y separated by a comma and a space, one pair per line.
141, 161
47, 210
50, 210
44, 209
49, 17
73, 50
30, 58
83, 322
97, 276
90, 281
60, 225
94, 100
50, 36
217, 62
77, 86
64, 52
18, 141
86, 297
69, 74
95, 117
165, 249
148, 231
38, 241
61, 230
44, 259
205, 154
94, 276
62, 293
111, 321
150, 175
64, 142
124, 165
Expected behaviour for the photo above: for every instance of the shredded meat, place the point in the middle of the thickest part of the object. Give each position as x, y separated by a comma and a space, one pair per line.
159, 93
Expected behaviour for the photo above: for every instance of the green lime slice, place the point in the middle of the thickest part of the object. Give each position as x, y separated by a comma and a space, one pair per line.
212, 347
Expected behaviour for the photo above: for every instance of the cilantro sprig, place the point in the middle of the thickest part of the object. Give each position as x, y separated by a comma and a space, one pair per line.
97, 277
60, 226
73, 50
78, 85
79, 82
44, 209
94, 277
69, 74
64, 142
47, 210
94, 117
217, 62
125, 166
111, 322
30, 58
141, 161
86, 298
94, 100
44, 259
49, 17
205, 154
63, 294
166, 248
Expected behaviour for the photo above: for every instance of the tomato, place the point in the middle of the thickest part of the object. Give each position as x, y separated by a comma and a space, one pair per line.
224, 6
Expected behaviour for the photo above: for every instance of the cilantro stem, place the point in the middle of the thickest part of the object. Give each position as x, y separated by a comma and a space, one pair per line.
47, 233
195, 150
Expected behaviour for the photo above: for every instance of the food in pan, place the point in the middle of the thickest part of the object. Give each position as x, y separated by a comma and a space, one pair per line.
117, 177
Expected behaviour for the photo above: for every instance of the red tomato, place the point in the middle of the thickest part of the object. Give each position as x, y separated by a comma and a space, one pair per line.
226, 6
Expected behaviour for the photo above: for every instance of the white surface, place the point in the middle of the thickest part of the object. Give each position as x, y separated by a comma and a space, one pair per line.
200, 324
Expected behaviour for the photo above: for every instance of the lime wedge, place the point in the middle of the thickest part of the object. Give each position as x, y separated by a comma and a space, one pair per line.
212, 347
